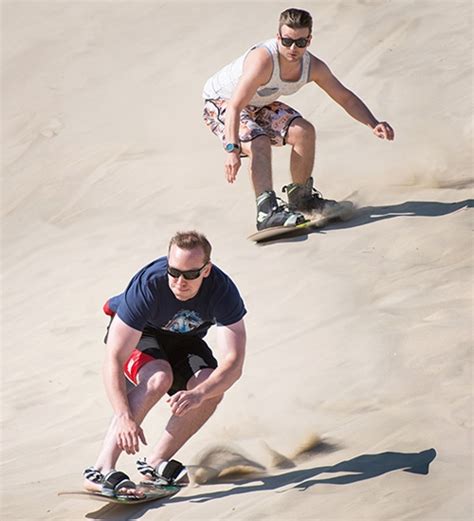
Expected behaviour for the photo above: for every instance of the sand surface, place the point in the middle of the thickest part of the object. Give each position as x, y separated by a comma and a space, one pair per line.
357, 392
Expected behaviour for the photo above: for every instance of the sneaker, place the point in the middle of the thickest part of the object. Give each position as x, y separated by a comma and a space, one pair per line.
272, 211
170, 472
305, 198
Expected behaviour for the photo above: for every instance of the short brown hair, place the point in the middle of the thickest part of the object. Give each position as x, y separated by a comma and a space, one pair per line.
189, 241
296, 19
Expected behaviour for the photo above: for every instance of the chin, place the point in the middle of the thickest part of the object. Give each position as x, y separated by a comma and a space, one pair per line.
183, 296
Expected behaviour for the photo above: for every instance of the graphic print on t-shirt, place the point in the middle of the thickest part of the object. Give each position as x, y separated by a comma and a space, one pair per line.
184, 321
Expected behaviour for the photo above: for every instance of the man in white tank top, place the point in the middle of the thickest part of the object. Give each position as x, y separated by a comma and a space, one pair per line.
241, 108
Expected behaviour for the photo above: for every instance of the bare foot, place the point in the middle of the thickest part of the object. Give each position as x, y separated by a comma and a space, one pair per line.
90, 486
132, 493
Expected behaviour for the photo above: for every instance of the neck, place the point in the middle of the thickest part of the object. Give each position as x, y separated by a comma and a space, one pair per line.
289, 70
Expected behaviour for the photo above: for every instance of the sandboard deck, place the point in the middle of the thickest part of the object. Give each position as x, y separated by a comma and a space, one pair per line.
344, 212
151, 494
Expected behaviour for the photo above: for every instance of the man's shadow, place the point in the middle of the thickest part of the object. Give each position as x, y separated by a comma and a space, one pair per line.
371, 214
370, 466
360, 468
366, 466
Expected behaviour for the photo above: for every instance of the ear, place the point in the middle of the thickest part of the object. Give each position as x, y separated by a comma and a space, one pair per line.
207, 270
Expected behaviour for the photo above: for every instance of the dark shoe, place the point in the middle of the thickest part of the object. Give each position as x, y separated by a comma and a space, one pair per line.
272, 211
170, 472
305, 198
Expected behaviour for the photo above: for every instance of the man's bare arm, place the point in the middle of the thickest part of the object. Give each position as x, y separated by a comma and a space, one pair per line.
257, 71
352, 104
121, 341
231, 341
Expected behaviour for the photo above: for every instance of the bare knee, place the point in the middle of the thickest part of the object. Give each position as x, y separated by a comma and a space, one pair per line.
159, 384
258, 146
301, 130
156, 378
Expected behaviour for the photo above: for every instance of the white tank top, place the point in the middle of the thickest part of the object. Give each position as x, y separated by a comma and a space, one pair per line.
223, 83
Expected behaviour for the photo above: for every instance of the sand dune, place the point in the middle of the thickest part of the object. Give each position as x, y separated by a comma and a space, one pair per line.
356, 402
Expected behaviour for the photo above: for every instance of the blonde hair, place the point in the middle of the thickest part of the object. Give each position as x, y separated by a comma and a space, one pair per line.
190, 240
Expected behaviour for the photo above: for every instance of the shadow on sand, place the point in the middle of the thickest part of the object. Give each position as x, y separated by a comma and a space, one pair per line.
366, 466
360, 468
372, 214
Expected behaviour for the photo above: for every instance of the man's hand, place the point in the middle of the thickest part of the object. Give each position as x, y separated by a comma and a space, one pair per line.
231, 165
129, 435
184, 401
384, 131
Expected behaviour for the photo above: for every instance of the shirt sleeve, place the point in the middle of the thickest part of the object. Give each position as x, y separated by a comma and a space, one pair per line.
229, 307
137, 303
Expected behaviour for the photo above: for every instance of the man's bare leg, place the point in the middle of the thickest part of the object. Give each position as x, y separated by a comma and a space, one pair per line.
181, 428
302, 138
259, 151
155, 379
301, 194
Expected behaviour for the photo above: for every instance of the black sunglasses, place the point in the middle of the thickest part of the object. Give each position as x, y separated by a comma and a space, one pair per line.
299, 42
188, 274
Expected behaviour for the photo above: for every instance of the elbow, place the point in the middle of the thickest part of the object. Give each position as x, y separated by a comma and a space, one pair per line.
115, 359
238, 370
238, 373
235, 372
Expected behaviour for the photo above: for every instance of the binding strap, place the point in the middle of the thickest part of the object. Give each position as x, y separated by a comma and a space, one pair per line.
145, 469
93, 474
172, 470
167, 471
114, 481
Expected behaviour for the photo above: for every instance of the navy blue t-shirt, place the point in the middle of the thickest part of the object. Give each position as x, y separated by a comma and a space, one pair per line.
149, 302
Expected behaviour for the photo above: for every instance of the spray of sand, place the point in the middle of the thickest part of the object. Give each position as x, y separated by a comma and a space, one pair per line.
223, 463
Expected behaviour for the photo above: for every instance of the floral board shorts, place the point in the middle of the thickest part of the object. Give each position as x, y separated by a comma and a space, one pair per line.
270, 120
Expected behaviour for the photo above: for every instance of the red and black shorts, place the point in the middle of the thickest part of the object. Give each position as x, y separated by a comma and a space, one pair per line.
187, 354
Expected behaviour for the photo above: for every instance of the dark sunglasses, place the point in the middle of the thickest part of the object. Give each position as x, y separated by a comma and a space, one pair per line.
300, 42
188, 274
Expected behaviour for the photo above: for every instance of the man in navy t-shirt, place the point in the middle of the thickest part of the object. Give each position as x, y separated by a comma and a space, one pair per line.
155, 339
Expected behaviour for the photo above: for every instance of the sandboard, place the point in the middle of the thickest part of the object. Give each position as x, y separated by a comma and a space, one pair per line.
344, 211
151, 493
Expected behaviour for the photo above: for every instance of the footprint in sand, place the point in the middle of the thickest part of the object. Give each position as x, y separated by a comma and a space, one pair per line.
52, 129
